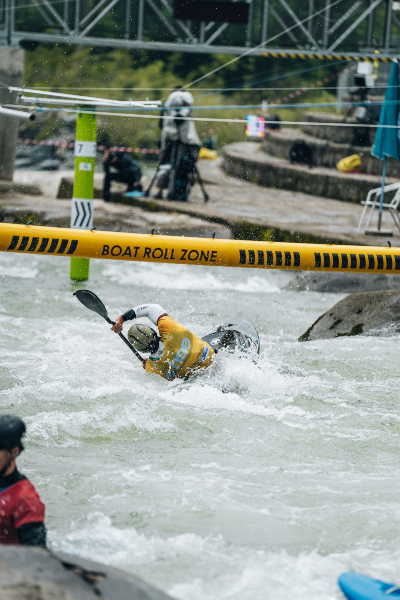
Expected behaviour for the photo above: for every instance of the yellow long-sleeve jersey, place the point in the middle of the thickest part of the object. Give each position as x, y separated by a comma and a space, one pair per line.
184, 352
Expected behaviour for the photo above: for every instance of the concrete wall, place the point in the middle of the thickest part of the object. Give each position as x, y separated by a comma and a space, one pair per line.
11, 73
262, 169
342, 135
279, 144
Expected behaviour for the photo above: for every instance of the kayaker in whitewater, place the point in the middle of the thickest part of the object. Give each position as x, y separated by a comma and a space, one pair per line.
176, 352
22, 511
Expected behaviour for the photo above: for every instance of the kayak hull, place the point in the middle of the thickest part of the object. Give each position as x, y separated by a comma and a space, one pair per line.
360, 587
235, 335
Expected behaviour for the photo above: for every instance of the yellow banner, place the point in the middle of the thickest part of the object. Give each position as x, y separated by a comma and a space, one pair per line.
54, 241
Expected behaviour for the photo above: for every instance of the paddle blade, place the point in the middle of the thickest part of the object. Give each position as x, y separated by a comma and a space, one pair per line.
92, 302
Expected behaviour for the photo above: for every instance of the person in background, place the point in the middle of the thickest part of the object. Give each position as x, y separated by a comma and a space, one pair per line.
22, 511
128, 170
178, 129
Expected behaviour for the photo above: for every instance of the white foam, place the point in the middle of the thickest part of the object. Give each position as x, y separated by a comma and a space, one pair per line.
99, 540
182, 277
210, 568
12, 266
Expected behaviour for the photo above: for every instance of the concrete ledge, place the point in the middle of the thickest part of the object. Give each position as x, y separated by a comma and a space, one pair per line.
249, 211
247, 161
279, 143
343, 135
66, 188
23, 188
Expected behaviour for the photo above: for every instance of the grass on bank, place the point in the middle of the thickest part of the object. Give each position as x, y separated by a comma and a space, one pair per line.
55, 67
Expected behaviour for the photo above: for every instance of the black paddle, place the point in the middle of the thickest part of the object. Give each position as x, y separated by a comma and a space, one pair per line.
92, 302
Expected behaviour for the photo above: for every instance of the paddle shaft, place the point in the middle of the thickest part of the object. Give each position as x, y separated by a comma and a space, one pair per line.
127, 342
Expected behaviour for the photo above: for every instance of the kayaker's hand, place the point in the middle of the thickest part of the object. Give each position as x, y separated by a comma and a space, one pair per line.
117, 328
144, 363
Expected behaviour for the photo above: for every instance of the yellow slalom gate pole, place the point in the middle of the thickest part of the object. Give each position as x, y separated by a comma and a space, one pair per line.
82, 201
79, 243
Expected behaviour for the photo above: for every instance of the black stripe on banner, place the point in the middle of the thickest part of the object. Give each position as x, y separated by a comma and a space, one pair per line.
260, 257
296, 256
397, 263
379, 259
345, 261
252, 257
242, 254
353, 261
43, 245
14, 242
23, 244
371, 261
278, 259
53, 245
327, 259
270, 258
33, 245
72, 247
389, 263
335, 261
363, 263
64, 244
318, 262
288, 259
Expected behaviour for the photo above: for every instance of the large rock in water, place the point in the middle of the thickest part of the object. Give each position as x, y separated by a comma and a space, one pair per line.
342, 282
356, 314
36, 574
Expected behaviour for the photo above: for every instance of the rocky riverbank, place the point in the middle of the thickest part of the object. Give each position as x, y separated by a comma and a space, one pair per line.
342, 283
357, 314
36, 574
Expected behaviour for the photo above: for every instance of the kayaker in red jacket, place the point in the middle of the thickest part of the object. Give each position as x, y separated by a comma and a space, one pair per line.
21, 510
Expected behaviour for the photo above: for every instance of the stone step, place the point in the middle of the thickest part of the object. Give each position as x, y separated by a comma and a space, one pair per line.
247, 161
279, 142
342, 135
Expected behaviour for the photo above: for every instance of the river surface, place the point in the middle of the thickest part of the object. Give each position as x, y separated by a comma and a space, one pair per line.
252, 482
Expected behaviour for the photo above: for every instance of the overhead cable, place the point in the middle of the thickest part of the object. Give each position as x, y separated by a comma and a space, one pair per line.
263, 89
42, 101
213, 119
277, 77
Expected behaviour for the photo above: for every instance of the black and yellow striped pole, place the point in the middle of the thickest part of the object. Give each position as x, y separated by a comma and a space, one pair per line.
105, 245
300, 54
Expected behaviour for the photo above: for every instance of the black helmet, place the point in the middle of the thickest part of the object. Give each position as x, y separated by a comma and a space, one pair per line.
11, 431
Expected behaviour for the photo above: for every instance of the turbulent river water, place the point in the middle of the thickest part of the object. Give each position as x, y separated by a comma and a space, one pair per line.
252, 481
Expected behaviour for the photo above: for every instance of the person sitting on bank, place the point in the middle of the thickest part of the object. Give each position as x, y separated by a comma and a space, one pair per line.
176, 352
22, 511
127, 170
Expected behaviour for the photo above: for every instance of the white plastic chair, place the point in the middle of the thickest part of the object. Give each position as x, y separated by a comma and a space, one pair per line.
373, 200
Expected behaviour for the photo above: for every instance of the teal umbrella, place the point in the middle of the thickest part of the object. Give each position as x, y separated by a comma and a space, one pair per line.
387, 142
